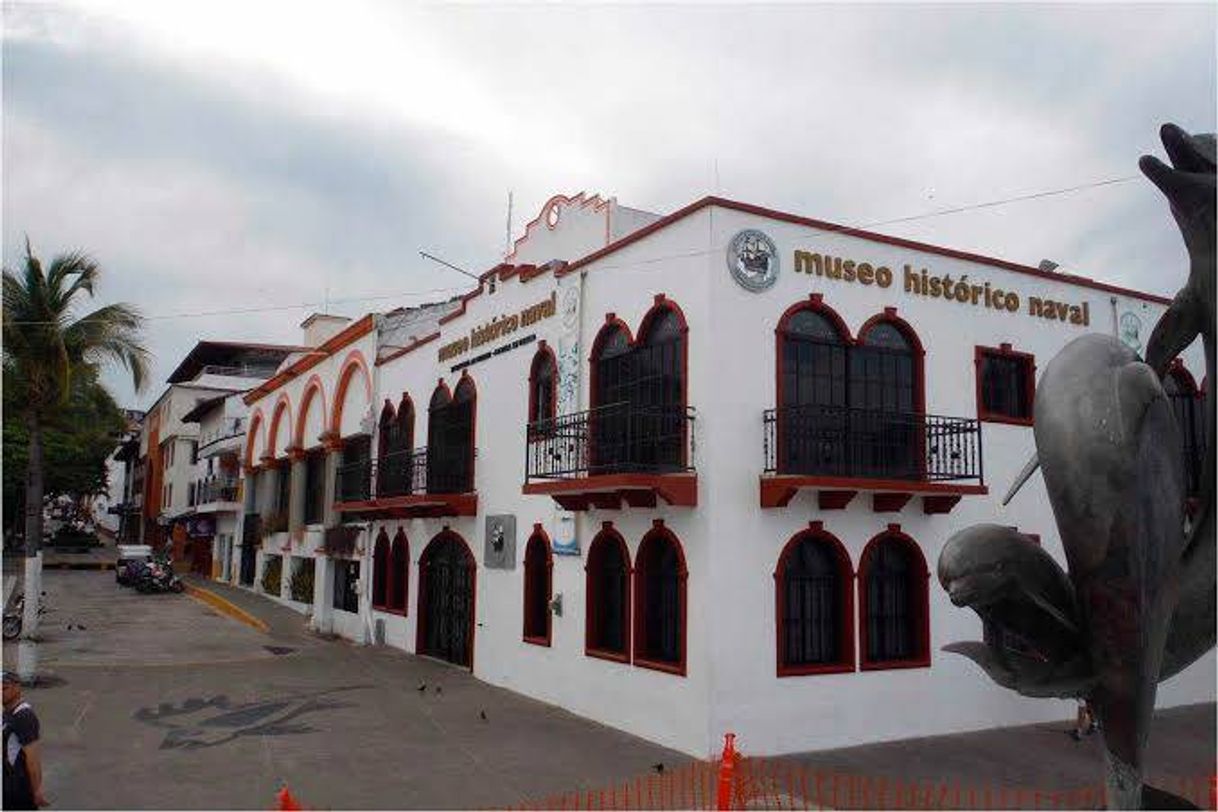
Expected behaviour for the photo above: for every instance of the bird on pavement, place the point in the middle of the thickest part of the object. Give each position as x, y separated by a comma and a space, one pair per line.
482, 715
422, 687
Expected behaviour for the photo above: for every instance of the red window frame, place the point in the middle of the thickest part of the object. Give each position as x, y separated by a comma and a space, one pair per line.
847, 660
1004, 351
592, 607
398, 566
538, 547
920, 602
659, 534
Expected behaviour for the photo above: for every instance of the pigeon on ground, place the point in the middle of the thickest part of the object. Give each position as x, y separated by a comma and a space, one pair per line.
422, 687
482, 715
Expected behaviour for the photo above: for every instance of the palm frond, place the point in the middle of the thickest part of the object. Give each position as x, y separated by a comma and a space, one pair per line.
65, 266
112, 332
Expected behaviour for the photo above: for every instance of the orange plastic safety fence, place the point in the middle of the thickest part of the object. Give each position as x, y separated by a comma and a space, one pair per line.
779, 784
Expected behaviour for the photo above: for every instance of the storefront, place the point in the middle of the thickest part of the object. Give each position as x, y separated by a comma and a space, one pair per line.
695, 478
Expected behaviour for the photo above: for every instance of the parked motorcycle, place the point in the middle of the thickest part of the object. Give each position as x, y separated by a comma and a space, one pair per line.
157, 576
14, 616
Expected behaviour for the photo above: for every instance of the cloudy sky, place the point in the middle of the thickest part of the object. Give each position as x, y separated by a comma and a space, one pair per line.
244, 156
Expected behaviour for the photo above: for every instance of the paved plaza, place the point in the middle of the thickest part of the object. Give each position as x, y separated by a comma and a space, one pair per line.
159, 701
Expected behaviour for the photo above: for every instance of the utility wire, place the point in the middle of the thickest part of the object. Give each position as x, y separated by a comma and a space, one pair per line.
639, 262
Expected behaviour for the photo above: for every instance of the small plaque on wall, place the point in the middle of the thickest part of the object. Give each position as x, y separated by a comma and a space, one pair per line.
566, 542
500, 550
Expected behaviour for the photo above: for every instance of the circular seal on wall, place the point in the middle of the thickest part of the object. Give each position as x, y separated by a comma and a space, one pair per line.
1131, 331
752, 258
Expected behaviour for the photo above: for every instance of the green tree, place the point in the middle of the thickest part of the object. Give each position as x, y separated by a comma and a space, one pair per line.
78, 442
47, 346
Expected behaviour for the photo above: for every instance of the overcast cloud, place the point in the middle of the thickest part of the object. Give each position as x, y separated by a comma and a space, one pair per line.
219, 156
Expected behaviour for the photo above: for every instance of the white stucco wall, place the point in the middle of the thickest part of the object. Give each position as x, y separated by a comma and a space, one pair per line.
731, 545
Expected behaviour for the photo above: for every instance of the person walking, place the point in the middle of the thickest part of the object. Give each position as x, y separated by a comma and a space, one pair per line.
22, 750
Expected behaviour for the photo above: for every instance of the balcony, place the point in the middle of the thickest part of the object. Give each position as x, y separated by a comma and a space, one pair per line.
615, 454
218, 493
407, 484
213, 441
839, 451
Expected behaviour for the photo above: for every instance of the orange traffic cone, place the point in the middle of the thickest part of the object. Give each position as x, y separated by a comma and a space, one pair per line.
285, 801
727, 772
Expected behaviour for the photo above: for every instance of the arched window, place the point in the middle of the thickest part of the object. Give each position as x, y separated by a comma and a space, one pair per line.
660, 388
386, 439
394, 457
380, 571
538, 565
812, 392
885, 394
450, 439
659, 595
399, 573
608, 591
895, 603
610, 419
1188, 407
815, 607
543, 386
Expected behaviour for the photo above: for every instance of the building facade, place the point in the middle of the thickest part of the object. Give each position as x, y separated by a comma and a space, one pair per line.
683, 475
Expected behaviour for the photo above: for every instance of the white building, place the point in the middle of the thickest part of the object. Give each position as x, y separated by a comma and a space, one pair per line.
685, 475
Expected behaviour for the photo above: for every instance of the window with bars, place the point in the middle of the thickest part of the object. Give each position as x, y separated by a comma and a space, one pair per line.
843, 406
639, 396
283, 487
894, 597
814, 606
608, 588
543, 386
380, 571
1006, 385
537, 591
450, 439
660, 602
399, 573
315, 486
346, 580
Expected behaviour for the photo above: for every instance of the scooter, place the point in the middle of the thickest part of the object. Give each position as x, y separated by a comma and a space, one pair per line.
157, 576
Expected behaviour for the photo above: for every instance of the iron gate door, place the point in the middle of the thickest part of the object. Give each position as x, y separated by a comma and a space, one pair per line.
448, 601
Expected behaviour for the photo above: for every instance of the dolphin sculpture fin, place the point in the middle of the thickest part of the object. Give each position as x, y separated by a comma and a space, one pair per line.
1023, 476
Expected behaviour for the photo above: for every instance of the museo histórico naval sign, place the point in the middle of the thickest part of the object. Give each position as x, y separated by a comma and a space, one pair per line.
500, 326
924, 283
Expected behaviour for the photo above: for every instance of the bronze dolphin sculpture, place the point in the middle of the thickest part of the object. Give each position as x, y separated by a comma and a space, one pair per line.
1110, 452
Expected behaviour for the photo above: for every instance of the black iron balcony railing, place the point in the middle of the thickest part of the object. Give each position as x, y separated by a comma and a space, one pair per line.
403, 473
621, 438
217, 490
838, 441
354, 483
400, 473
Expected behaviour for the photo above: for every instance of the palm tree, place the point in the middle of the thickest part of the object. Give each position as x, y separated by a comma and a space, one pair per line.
45, 346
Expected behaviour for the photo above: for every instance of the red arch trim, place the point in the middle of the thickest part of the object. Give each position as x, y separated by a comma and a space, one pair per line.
816, 532
816, 304
251, 437
889, 316
659, 534
607, 535
282, 406
921, 578
354, 361
312, 388
380, 571
538, 537
396, 574
661, 305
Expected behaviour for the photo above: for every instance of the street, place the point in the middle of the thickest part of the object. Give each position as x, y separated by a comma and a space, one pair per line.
160, 702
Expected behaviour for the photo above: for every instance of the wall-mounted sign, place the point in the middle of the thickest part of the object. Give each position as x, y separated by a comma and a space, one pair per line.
1131, 331
500, 326
752, 258
499, 552
962, 289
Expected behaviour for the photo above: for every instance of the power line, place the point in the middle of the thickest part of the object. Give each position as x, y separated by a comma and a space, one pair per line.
650, 260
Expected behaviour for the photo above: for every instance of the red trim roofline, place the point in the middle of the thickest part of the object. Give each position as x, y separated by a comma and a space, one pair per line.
824, 225
352, 333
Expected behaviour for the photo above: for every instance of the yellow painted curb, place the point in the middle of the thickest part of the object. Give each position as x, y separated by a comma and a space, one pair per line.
225, 608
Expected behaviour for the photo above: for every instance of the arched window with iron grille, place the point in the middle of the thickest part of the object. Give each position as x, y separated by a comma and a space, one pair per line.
538, 567
543, 386
813, 419
885, 390
380, 570
814, 606
398, 567
660, 601
607, 626
894, 603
